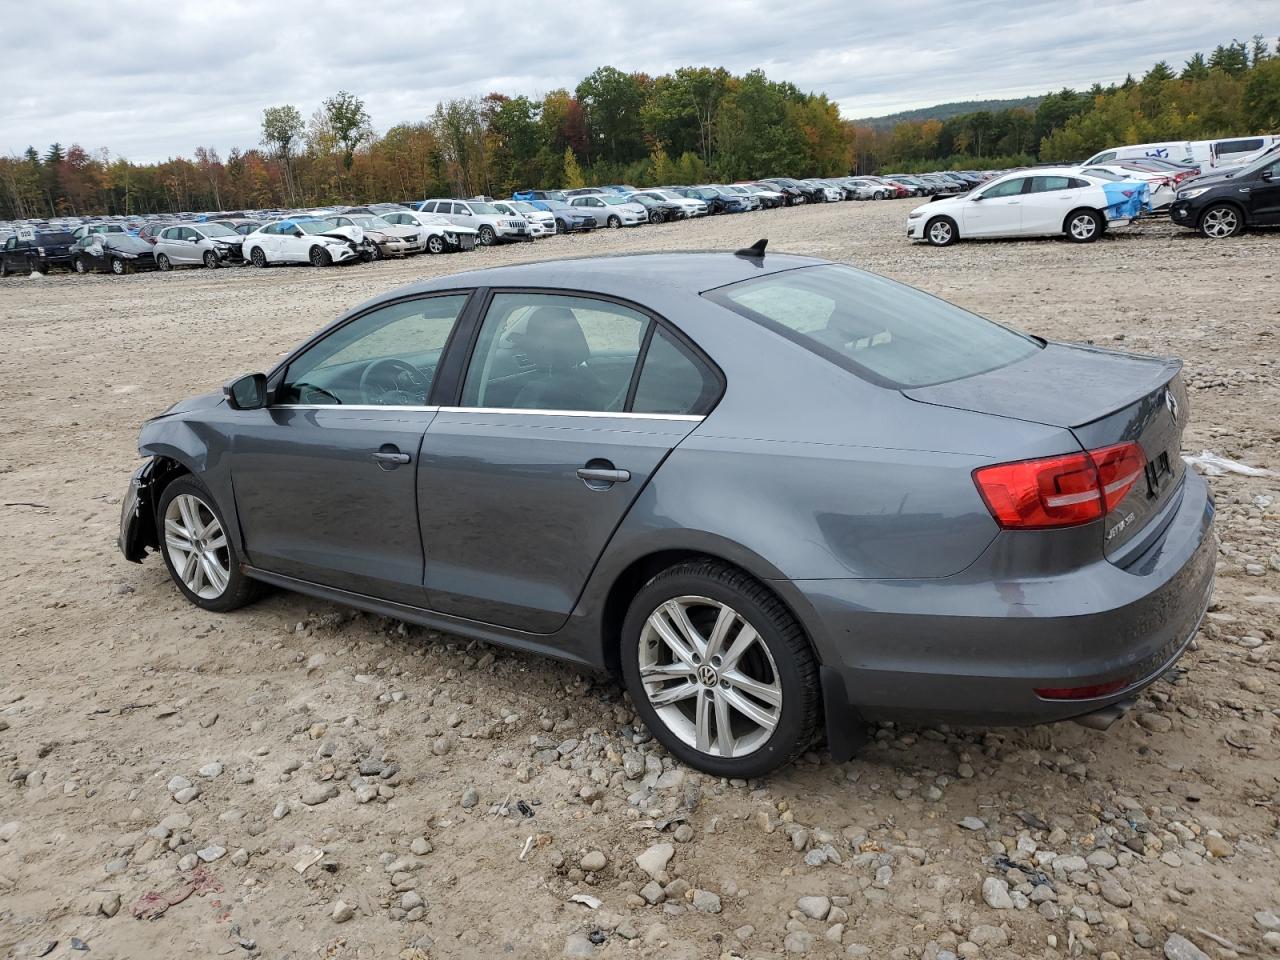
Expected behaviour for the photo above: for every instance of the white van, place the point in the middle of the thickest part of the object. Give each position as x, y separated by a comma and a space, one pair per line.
1176, 150
1232, 152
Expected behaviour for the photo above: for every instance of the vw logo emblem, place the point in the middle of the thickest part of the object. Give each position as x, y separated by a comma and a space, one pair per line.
707, 674
1171, 402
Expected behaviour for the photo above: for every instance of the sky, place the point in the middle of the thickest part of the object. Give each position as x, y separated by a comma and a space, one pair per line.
152, 80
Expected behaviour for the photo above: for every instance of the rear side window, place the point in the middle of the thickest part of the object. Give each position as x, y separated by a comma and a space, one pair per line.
673, 380
1049, 184
883, 331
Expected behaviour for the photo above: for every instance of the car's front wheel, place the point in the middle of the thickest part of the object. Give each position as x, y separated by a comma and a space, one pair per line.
435, 244
163, 262
657, 216
1220, 221
118, 267
614, 221
320, 257
720, 671
78, 265
210, 259
941, 231
258, 257
197, 551
486, 235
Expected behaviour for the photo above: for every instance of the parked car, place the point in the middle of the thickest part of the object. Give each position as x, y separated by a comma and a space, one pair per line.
659, 211
35, 251
692, 206
85, 229
1028, 203
490, 225
117, 253
830, 192
611, 209
540, 195
542, 223
793, 190
242, 226
569, 219
863, 189
377, 235
149, 231
194, 244
440, 234
583, 192
1159, 183
733, 190
717, 200
1168, 150
767, 198
299, 240
572, 459
1224, 204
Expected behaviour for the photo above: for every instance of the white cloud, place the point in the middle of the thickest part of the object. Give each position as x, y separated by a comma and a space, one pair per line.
150, 80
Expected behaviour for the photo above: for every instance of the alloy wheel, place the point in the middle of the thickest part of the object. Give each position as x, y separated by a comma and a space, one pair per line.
117, 267
1220, 222
709, 676
940, 232
197, 546
435, 244
1083, 226
210, 259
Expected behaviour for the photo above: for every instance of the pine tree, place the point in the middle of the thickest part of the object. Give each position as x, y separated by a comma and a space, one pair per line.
1196, 69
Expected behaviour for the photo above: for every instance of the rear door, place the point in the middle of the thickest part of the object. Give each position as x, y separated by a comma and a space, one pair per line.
1046, 203
568, 405
325, 478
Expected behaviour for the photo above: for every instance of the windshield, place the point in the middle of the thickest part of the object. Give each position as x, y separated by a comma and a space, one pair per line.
557, 205
881, 330
370, 223
524, 206
477, 207
216, 230
614, 201
313, 226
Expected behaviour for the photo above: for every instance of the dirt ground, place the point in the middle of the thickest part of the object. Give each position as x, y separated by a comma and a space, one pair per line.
457, 788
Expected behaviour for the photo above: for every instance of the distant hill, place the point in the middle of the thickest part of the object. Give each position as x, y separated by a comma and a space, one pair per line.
944, 111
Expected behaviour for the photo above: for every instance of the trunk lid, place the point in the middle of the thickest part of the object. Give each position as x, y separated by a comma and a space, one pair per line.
1103, 398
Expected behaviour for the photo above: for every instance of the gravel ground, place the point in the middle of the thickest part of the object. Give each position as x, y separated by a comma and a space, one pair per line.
301, 780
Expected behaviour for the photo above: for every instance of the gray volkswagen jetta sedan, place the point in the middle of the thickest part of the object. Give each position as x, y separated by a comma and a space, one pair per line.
777, 496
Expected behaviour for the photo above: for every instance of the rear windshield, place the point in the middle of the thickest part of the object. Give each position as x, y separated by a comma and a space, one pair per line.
881, 330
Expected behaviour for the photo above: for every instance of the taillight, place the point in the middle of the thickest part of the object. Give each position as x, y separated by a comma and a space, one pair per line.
1063, 491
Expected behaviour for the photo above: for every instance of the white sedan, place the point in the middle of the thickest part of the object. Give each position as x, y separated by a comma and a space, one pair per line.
1031, 203
440, 234
612, 210
297, 240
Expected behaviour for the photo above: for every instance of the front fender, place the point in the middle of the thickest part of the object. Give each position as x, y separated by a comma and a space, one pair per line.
199, 447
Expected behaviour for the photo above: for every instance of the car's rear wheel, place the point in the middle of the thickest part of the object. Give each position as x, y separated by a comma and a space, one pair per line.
163, 262
79, 265
1220, 221
435, 244
1083, 226
719, 670
210, 259
118, 267
197, 551
320, 257
256, 256
486, 235
941, 231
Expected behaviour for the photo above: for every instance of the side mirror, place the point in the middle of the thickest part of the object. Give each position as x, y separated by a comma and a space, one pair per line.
247, 393
975, 199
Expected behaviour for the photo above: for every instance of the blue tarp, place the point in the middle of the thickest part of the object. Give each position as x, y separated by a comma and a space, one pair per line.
1126, 199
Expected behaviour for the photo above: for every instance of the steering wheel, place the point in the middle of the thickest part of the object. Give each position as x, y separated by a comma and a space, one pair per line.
393, 382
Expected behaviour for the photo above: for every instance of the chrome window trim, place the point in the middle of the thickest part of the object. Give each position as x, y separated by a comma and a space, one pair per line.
613, 415
349, 406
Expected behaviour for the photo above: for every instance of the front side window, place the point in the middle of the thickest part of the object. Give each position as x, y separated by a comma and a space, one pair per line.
883, 331
385, 357
1006, 188
539, 351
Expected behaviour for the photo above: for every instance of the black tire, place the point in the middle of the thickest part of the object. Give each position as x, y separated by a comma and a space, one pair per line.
163, 262
4, 267
375, 252
785, 640
78, 265
210, 259
941, 232
613, 222
118, 267
239, 590
1220, 221
562, 226
319, 256
435, 243
1083, 226
38, 267
486, 237
657, 217
258, 257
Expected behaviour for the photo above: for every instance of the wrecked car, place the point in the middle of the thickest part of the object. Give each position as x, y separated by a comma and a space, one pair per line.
299, 240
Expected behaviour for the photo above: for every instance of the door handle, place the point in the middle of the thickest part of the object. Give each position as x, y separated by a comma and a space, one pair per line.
388, 456
603, 475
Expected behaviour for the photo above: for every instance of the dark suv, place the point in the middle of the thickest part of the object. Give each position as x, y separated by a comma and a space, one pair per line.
1223, 204
36, 250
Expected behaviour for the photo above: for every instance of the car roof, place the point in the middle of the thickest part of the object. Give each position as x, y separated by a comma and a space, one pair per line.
624, 275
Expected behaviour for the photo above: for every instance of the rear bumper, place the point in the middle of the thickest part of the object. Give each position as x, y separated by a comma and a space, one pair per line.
974, 648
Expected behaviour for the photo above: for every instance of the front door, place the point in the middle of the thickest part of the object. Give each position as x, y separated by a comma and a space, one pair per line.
523, 484
1264, 196
325, 478
995, 211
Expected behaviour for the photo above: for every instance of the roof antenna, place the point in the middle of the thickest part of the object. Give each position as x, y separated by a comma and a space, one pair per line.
755, 251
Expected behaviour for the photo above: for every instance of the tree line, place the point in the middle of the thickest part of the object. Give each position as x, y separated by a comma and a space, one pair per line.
692, 125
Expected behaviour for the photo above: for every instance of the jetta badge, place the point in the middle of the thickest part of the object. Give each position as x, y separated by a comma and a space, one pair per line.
1171, 402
